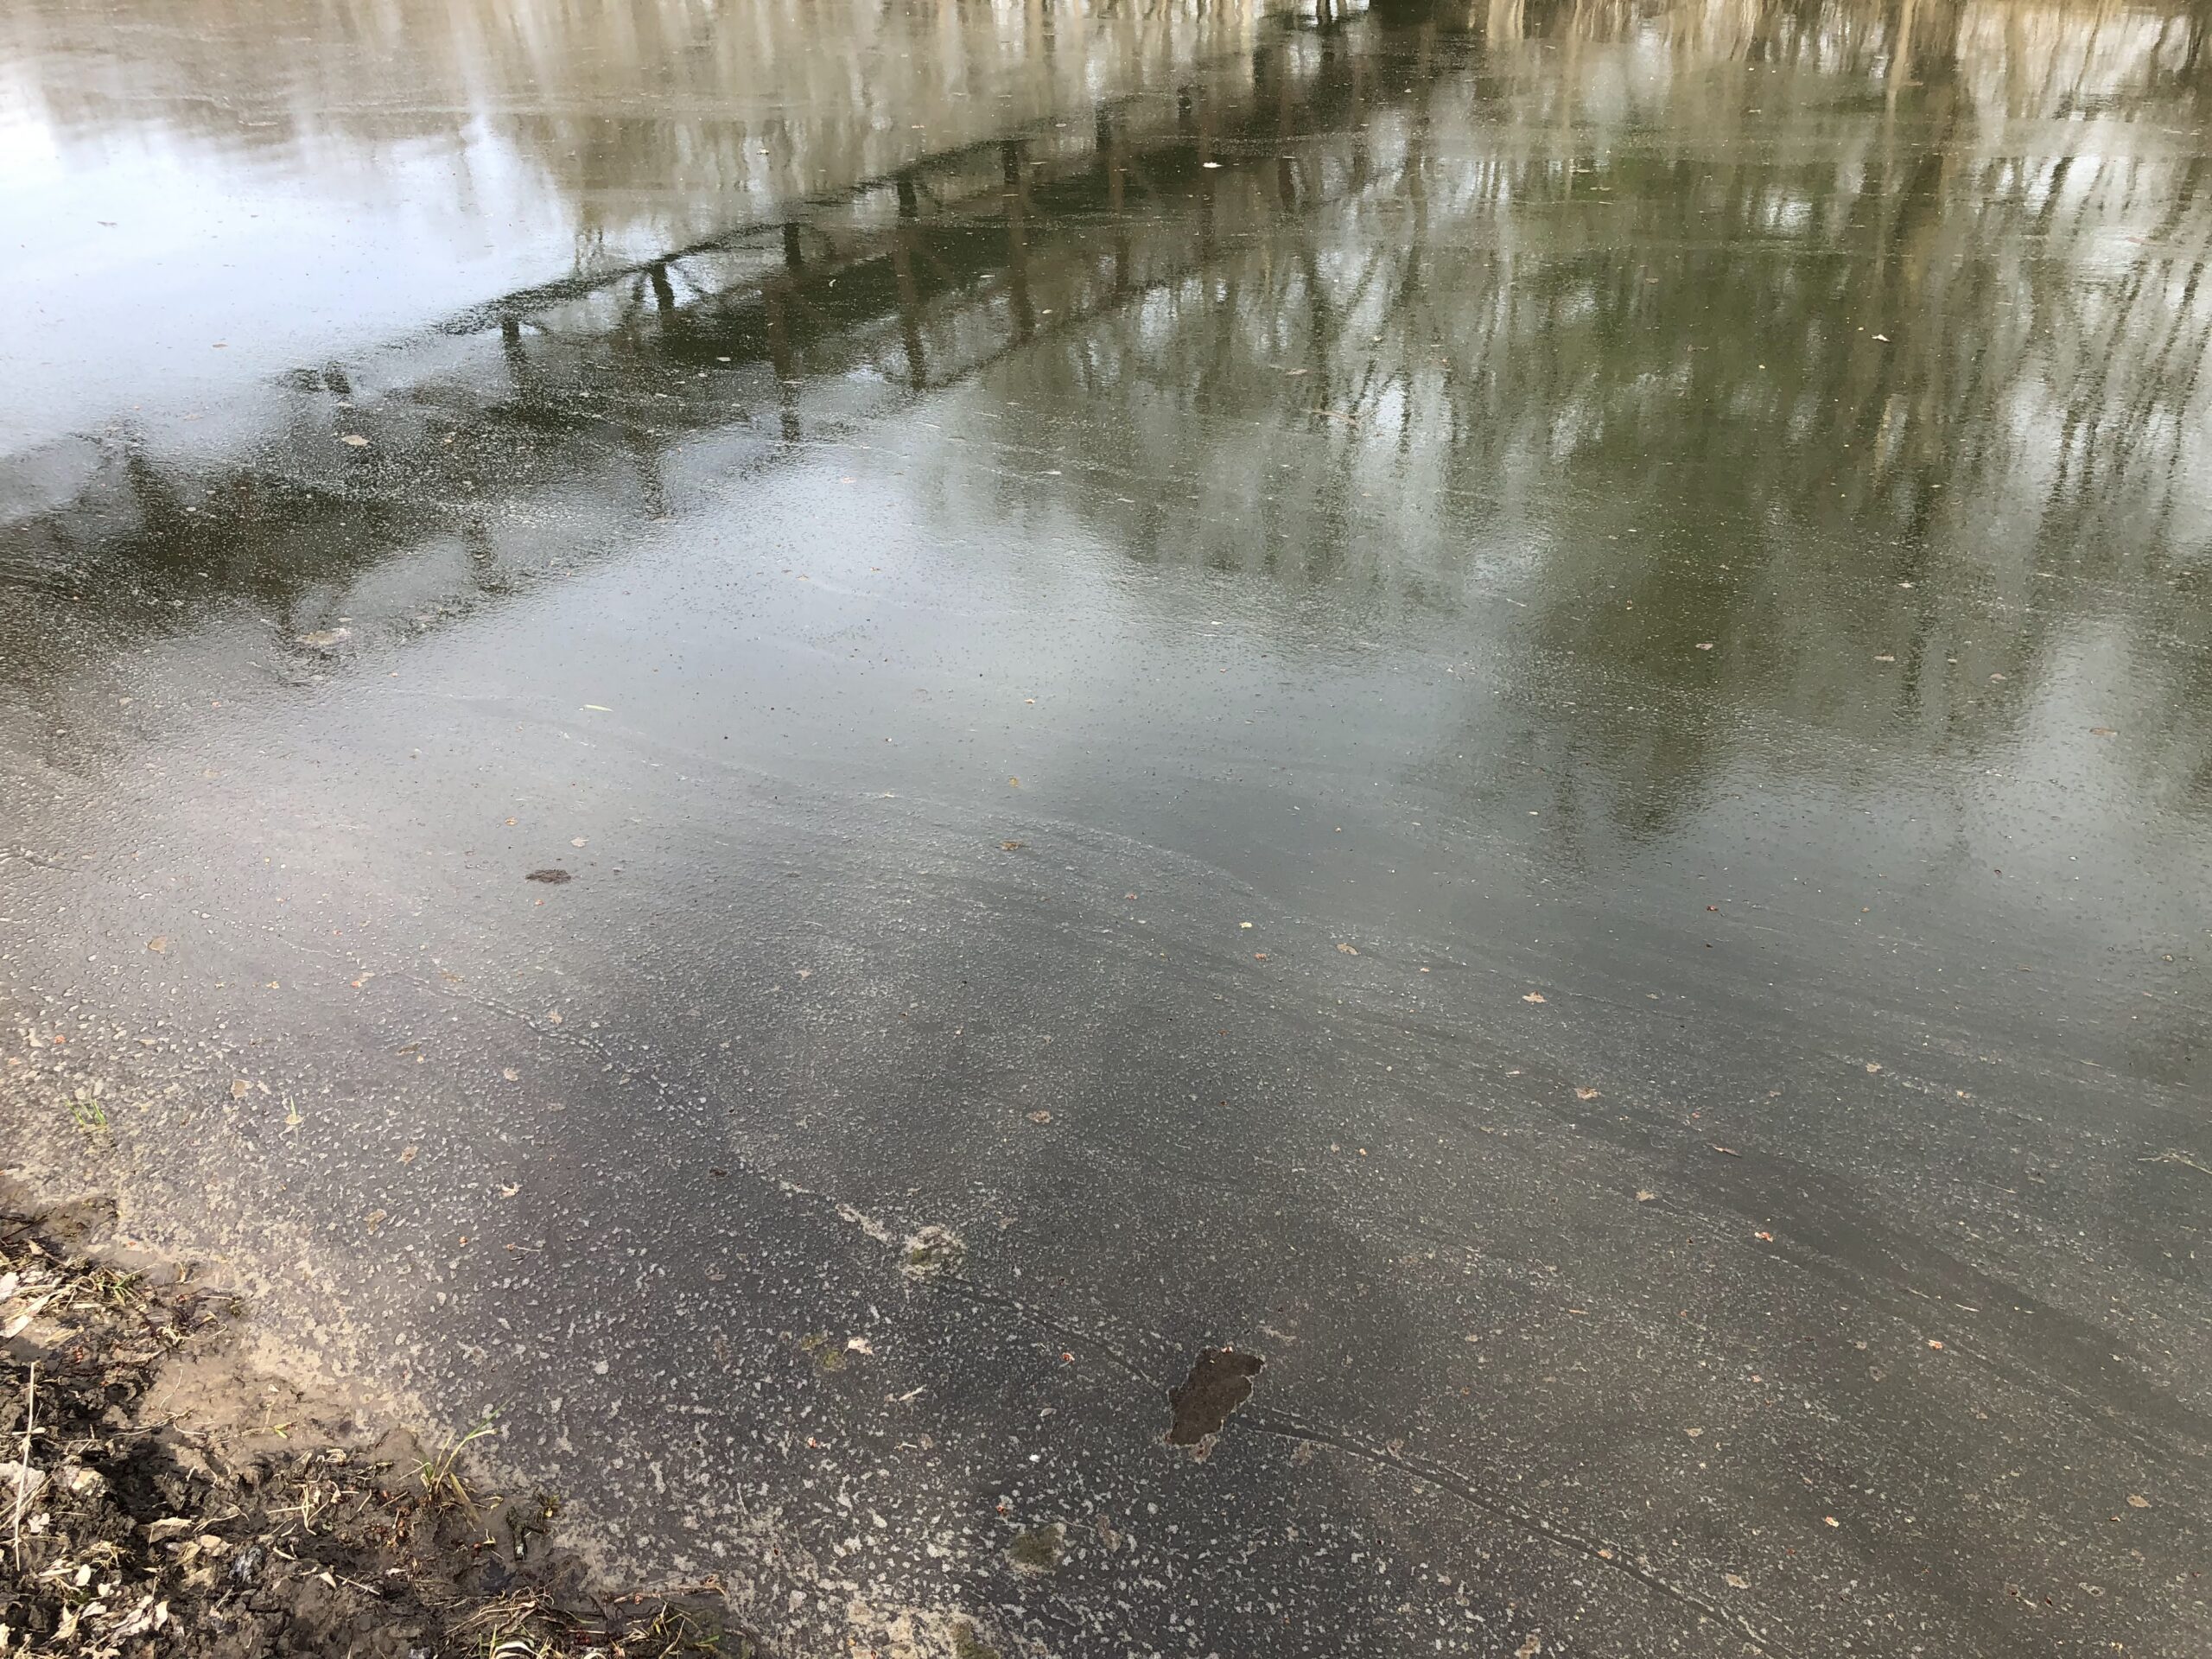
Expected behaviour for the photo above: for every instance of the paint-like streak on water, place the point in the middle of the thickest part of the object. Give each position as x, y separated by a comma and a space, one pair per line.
1508, 709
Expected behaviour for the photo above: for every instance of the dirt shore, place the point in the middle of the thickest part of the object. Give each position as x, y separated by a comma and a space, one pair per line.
161, 1496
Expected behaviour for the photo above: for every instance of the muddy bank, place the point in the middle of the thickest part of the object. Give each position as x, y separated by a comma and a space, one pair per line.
161, 1495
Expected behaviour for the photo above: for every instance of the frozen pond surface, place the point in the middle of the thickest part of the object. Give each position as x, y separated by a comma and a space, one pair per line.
795, 739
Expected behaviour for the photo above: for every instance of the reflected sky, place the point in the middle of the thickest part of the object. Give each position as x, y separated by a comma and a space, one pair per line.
280, 184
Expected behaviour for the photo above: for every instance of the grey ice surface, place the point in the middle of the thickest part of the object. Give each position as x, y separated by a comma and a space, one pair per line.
1510, 707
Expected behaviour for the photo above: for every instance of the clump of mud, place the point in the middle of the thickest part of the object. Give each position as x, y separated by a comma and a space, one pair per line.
1038, 1550
1220, 1381
931, 1251
159, 1498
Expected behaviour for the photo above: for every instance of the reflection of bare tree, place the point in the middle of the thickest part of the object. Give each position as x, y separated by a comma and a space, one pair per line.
1438, 284
1899, 343
651, 119
687, 118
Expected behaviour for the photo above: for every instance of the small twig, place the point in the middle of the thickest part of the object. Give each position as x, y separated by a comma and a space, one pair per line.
2177, 1158
24, 1469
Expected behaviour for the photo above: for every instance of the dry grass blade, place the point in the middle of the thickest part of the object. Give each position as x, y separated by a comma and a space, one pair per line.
443, 1486
505, 1627
114, 1289
23, 1464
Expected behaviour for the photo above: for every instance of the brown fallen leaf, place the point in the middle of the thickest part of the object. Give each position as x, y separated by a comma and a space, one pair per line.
1643, 1196
1736, 1580
1586, 1094
410, 1155
1259, 956
1694, 1432
2137, 1501
1533, 997
158, 943
239, 1088
1932, 1342
1010, 846
1768, 1238
1040, 1117
1346, 949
